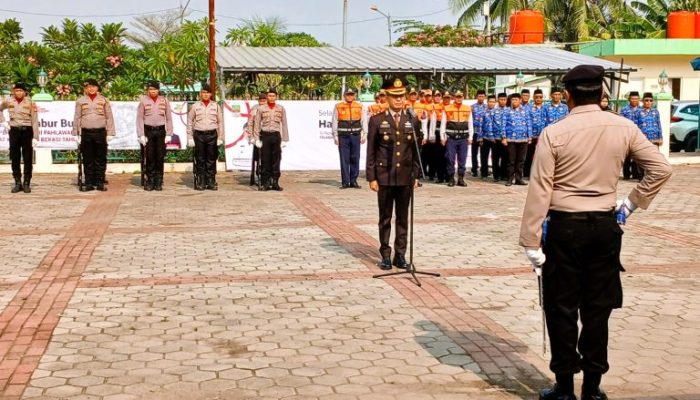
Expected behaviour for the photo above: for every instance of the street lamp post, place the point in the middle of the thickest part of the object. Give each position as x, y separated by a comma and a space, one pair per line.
663, 81
42, 79
696, 67
366, 96
388, 19
519, 80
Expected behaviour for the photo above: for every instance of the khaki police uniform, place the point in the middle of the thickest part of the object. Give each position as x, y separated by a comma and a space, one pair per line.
24, 128
94, 123
154, 122
205, 125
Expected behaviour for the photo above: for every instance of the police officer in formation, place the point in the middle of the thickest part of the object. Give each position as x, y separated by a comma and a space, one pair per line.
631, 112
499, 158
393, 169
516, 129
250, 129
649, 122
154, 125
478, 110
271, 135
574, 184
349, 127
525, 99
537, 118
93, 127
556, 109
487, 137
23, 130
438, 163
456, 135
380, 105
205, 132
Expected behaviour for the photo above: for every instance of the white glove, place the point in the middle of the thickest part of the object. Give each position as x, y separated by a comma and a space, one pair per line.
284, 144
77, 139
258, 144
35, 143
110, 138
219, 142
623, 210
143, 140
6, 125
537, 259
190, 142
168, 138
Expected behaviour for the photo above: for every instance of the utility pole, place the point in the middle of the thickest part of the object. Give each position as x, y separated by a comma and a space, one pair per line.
345, 37
212, 49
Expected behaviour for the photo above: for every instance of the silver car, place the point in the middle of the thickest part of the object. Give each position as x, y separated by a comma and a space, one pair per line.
684, 126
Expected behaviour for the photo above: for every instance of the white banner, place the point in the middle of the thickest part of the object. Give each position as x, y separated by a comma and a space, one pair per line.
310, 144
56, 123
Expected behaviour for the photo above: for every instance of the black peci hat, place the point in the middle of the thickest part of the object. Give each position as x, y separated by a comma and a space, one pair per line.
20, 85
592, 74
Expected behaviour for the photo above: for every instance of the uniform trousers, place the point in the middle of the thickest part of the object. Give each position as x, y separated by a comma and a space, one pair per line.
438, 159
154, 152
486, 149
581, 278
529, 157
349, 149
456, 149
499, 160
388, 199
255, 165
21, 149
93, 146
206, 153
271, 155
516, 160
475, 156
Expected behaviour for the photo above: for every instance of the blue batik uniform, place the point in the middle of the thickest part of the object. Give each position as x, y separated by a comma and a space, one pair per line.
489, 129
537, 119
631, 113
478, 111
553, 113
516, 125
650, 124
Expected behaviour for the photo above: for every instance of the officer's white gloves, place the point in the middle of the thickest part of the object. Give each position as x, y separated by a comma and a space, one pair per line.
168, 139
219, 142
6, 125
77, 139
143, 140
34, 143
190, 142
110, 138
623, 210
537, 259
258, 143
284, 144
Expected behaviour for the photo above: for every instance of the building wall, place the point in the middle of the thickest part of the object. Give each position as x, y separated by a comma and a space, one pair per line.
649, 68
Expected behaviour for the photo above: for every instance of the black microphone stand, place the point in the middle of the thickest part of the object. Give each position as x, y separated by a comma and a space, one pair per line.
411, 267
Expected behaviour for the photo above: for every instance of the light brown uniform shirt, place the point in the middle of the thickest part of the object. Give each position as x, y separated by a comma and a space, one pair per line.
21, 113
577, 165
271, 120
205, 118
93, 114
250, 128
154, 113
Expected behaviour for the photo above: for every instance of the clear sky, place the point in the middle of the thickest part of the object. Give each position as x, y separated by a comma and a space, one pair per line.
299, 15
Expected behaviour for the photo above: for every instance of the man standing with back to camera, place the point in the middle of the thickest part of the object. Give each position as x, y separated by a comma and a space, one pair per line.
574, 183
393, 169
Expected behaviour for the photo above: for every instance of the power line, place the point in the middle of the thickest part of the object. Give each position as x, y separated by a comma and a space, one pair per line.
87, 15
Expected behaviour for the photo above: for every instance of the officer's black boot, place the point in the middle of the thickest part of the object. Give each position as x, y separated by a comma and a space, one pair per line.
211, 184
158, 184
148, 186
27, 185
451, 180
460, 181
18, 185
562, 390
101, 186
591, 387
199, 182
276, 185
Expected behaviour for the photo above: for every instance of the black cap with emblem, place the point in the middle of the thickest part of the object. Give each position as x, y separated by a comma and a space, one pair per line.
591, 74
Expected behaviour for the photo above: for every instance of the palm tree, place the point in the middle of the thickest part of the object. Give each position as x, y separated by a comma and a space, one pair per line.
500, 10
257, 32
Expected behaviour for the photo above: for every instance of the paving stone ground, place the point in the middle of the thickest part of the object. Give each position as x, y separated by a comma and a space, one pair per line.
238, 294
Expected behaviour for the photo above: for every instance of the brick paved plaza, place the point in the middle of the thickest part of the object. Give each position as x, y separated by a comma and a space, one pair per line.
238, 294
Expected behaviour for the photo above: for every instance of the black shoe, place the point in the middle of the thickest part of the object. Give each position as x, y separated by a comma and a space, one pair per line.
440, 180
18, 187
344, 186
596, 394
520, 183
27, 187
148, 186
158, 186
276, 185
101, 187
496, 179
400, 261
385, 264
212, 185
509, 183
474, 174
451, 181
460, 181
355, 185
198, 185
88, 188
554, 393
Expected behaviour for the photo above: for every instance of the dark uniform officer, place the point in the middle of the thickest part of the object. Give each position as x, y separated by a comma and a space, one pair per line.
154, 125
24, 135
250, 129
349, 129
271, 129
576, 183
205, 131
393, 169
93, 126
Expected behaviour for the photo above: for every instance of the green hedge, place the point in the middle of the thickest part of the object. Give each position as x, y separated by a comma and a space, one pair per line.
129, 156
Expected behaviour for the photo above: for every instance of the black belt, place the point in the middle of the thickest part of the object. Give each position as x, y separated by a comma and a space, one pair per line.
457, 137
93, 130
154, 128
22, 128
269, 133
348, 133
205, 132
581, 216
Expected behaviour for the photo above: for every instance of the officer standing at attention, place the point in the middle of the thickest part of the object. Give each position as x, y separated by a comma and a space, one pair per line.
575, 184
379, 105
93, 126
456, 135
525, 99
631, 112
249, 131
349, 132
154, 125
205, 132
516, 130
537, 118
438, 164
23, 129
555, 110
271, 128
478, 110
499, 159
487, 138
393, 170
650, 120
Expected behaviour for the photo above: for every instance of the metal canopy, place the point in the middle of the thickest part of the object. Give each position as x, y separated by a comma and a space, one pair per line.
407, 60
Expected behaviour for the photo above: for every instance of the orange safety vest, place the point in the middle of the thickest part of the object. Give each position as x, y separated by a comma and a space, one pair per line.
378, 108
457, 120
438, 108
349, 118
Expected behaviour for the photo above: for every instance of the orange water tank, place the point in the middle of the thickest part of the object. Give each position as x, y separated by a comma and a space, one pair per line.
526, 27
681, 25
697, 25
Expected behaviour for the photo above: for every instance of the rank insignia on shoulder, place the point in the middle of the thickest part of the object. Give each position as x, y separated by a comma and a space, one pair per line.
408, 137
386, 138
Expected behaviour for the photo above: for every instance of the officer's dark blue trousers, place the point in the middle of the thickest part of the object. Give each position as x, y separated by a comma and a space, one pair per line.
456, 148
349, 149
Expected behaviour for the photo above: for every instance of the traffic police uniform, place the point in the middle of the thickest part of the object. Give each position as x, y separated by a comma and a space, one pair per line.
575, 184
205, 129
423, 109
457, 134
349, 132
537, 118
154, 126
629, 168
93, 124
478, 110
516, 130
24, 136
392, 161
271, 129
